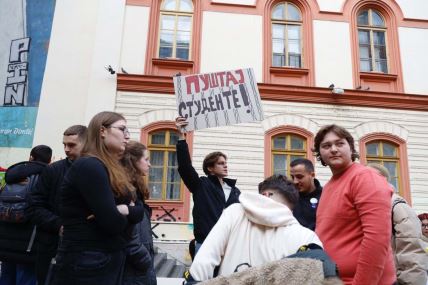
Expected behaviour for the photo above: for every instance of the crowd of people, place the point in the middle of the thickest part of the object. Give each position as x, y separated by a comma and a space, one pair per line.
85, 219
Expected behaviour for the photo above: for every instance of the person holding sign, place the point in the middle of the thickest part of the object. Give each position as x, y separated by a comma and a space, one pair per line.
212, 193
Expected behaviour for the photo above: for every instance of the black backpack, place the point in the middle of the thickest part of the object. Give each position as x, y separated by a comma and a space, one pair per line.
14, 200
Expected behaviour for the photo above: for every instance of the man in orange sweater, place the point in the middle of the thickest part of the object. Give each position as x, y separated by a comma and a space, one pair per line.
354, 212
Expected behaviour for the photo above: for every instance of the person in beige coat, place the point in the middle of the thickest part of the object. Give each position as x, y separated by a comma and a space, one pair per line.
410, 259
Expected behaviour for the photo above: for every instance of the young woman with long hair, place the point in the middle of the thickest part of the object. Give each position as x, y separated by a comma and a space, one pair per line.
139, 268
92, 250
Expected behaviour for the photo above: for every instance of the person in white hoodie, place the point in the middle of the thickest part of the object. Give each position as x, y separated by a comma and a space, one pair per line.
258, 229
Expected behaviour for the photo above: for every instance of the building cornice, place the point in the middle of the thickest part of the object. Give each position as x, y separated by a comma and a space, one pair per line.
290, 93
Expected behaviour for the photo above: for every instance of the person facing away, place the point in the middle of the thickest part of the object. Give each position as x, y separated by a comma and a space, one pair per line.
44, 200
139, 267
92, 248
16, 251
302, 173
411, 260
258, 229
424, 227
354, 213
212, 193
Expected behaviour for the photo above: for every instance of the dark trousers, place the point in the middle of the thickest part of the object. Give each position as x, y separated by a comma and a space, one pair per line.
17, 274
45, 253
88, 267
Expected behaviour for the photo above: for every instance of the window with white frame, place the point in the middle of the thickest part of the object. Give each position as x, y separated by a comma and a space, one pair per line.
286, 35
175, 29
372, 41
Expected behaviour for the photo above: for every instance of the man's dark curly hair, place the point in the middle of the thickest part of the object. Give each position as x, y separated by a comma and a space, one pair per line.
282, 185
341, 132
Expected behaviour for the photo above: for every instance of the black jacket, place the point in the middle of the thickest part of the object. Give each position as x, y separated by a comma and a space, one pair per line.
305, 211
208, 196
86, 191
14, 238
44, 202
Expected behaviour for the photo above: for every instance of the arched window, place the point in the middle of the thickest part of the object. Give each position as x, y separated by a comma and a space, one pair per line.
286, 35
283, 144
164, 180
390, 151
175, 29
286, 148
387, 154
169, 198
372, 41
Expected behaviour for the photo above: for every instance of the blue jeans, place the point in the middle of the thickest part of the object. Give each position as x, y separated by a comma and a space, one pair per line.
17, 274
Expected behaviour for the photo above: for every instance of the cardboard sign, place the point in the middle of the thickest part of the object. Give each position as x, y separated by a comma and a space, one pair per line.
218, 99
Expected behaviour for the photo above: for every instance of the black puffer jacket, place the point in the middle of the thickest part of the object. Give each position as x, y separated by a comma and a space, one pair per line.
15, 238
208, 196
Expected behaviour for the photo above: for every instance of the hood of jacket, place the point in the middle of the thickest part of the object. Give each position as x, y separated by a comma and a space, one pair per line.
265, 211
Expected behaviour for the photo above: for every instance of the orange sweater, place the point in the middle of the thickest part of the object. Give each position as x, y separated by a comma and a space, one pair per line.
354, 224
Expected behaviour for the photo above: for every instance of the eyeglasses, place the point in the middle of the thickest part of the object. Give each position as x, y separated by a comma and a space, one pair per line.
124, 129
424, 226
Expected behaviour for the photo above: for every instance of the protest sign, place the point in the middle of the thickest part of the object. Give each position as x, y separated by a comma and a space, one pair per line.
218, 99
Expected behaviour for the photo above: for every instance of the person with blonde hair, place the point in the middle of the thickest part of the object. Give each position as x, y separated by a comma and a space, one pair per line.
95, 208
139, 267
411, 261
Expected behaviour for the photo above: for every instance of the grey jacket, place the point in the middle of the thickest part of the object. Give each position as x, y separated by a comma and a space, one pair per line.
411, 260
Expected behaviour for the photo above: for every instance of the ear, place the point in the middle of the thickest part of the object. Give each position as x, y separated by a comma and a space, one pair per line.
103, 132
313, 174
210, 169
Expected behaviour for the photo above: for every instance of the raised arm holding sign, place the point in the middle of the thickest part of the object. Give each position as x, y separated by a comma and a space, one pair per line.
211, 193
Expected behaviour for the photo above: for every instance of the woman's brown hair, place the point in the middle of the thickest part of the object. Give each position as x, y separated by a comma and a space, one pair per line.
94, 146
133, 153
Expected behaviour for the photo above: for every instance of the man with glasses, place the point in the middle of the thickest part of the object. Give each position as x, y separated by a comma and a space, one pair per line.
212, 193
44, 200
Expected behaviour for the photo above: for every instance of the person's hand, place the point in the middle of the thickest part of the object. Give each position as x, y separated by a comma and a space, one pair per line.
123, 209
61, 231
180, 123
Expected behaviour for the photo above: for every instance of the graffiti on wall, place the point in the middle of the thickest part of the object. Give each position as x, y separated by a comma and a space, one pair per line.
25, 31
16, 81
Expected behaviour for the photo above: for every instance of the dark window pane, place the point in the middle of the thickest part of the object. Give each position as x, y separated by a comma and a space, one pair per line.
389, 149
165, 52
279, 142
158, 138
377, 20
172, 191
173, 138
156, 174
279, 164
379, 38
363, 18
156, 158
172, 158
155, 190
182, 53
364, 37
297, 143
373, 149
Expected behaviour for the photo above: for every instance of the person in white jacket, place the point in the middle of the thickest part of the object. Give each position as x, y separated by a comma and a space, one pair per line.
259, 229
